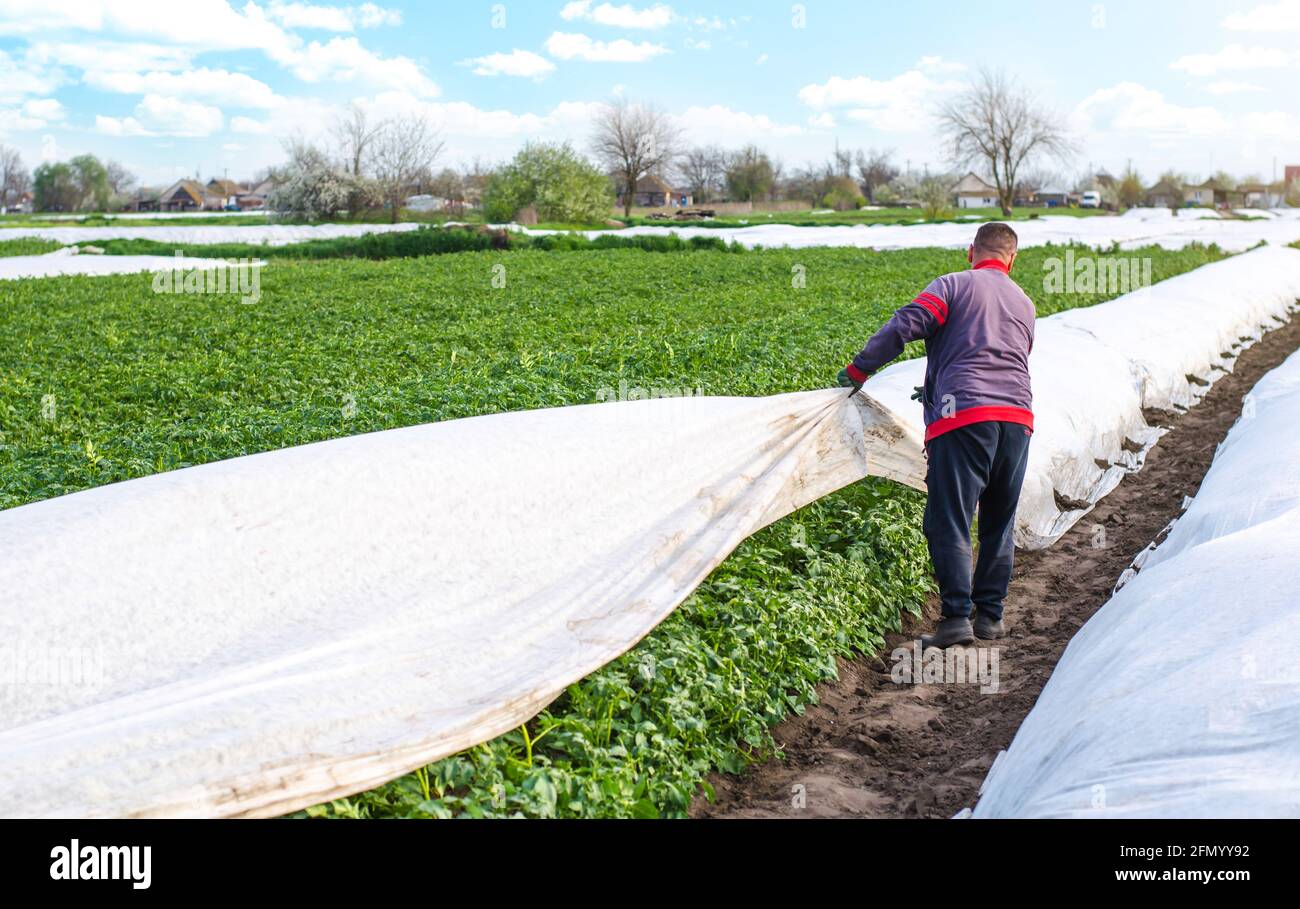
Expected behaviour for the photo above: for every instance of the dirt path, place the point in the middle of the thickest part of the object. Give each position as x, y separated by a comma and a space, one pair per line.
873, 748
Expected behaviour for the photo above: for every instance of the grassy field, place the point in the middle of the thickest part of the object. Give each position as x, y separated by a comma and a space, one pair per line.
27, 246
101, 380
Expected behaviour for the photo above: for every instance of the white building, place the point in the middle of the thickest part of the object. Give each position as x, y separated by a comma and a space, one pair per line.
975, 192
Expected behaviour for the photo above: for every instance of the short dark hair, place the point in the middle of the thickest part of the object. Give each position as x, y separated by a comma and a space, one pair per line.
996, 237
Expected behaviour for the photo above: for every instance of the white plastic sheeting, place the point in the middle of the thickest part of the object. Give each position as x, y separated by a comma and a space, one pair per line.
67, 262
1137, 227
1181, 696
1096, 370
268, 234
256, 635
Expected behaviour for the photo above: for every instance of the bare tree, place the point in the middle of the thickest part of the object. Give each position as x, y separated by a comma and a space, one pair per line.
1000, 126
354, 134
14, 178
875, 169
404, 153
632, 140
703, 169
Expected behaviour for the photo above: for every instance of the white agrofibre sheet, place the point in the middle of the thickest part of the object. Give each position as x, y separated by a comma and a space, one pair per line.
65, 262
1099, 372
1137, 227
182, 235
257, 635
1181, 696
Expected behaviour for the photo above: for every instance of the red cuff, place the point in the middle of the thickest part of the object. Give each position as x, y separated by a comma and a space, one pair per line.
856, 374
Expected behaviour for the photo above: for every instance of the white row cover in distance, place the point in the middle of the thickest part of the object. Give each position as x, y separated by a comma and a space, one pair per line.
1181, 696
1098, 369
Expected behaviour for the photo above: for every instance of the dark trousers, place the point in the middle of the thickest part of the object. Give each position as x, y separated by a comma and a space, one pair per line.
981, 464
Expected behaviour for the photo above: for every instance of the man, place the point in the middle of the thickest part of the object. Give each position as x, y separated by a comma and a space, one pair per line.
978, 327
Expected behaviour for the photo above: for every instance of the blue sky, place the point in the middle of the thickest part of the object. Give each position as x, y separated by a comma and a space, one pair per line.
171, 88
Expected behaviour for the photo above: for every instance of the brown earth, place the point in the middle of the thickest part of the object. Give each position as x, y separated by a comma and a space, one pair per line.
875, 748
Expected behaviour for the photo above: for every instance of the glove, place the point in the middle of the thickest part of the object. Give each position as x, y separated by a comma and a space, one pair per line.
851, 377
918, 394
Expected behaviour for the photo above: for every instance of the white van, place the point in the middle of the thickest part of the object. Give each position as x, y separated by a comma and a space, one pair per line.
1090, 199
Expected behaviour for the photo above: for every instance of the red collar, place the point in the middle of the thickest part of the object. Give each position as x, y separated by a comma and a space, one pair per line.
994, 263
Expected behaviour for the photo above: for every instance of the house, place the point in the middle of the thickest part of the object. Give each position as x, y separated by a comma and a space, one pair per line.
1292, 173
23, 205
144, 199
183, 195
1055, 197
223, 192
653, 192
975, 192
1260, 195
1212, 194
254, 197
1164, 194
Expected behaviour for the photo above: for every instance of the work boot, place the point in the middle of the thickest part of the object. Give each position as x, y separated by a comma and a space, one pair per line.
988, 628
949, 633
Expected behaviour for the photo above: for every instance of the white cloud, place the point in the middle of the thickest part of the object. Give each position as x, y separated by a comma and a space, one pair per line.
521, 63
1232, 88
737, 126
332, 18
762, 58
900, 104
35, 114
215, 85
18, 79
1132, 108
568, 46
158, 115
369, 15
345, 60
214, 25
306, 15
1271, 17
1235, 57
824, 120
625, 16
692, 44
250, 126
110, 56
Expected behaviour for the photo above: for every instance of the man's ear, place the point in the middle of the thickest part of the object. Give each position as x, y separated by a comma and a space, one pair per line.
970, 254
1012, 262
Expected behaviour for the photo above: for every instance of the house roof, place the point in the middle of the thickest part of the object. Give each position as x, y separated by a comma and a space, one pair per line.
225, 187
974, 185
1165, 186
651, 183
188, 187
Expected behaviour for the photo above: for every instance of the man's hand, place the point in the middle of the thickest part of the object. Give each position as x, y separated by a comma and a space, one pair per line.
851, 377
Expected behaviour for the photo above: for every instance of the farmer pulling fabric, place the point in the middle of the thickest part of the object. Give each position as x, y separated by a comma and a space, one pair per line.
978, 327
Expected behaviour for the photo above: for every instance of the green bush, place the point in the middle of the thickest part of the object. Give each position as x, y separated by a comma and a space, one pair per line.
553, 179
